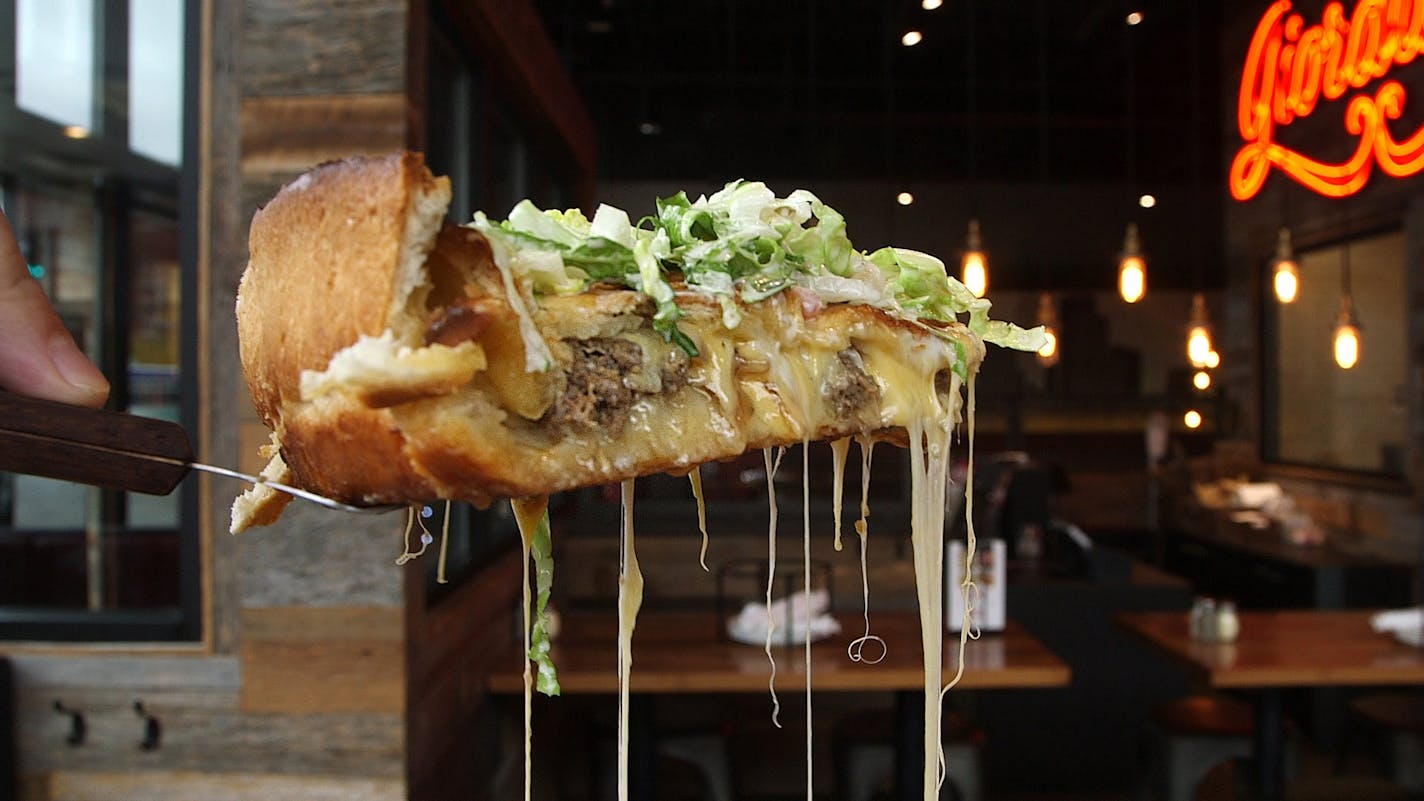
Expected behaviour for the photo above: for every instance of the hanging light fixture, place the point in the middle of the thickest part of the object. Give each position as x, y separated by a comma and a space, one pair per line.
974, 270
1131, 268
1199, 349
1285, 273
1347, 328
1201, 379
1048, 318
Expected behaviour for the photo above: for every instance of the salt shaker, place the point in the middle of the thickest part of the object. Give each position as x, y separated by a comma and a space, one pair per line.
1202, 625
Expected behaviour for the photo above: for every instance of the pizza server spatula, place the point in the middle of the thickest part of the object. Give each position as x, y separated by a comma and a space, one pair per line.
111, 449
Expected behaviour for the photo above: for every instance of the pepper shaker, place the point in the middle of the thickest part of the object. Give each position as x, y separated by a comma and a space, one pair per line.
1228, 625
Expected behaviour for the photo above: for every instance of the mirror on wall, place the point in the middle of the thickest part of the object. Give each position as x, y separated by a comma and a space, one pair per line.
1318, 414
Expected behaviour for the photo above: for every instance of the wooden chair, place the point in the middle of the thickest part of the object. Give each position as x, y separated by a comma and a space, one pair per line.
1396, 719
864, 747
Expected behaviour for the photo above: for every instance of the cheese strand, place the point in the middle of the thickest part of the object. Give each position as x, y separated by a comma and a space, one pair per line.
630, 600
929, 461
695, 476
771, 467
806, 591
444, 546
970, 591
968, 628
856, 649
839, 447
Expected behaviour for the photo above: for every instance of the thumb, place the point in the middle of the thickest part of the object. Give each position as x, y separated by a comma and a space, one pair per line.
38, 357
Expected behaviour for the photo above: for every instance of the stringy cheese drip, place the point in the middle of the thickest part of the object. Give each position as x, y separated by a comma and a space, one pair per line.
444, 546
415, 516
968, 629
806, 589
839, 448
929, 459
528, 512
771, 467
695, 476
856, 649
630, 600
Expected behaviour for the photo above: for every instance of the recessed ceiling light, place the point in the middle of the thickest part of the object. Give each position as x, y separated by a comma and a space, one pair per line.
1147, 201
931, 5
904, 198
76, 132
911, 38
1134, 18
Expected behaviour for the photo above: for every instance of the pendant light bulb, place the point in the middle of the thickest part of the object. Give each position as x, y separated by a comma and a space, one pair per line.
1347, 335
1131, 268
1048, 353
1199, 349
1048, 318
1286, 274
975, 268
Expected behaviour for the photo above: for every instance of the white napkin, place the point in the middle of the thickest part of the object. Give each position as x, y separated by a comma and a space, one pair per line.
1407, 625
749, 626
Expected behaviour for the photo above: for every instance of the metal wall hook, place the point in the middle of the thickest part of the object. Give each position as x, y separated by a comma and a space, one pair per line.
77, 727
152, 729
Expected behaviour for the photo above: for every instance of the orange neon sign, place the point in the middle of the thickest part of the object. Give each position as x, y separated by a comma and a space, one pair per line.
1290, 68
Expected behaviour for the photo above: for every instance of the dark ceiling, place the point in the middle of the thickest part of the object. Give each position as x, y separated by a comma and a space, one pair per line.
1043, 91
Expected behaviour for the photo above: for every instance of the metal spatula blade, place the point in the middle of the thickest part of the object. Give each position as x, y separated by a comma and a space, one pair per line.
112, 449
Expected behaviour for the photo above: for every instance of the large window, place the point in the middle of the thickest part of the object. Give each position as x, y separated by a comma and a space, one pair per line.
92, 178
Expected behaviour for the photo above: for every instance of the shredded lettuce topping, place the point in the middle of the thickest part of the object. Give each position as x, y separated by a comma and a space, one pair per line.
741, 243
540, 641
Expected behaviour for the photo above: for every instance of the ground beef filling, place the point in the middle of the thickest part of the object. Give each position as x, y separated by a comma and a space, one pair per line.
848, 388
596, 396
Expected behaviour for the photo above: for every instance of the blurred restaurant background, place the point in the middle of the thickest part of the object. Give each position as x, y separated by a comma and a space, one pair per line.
1230, 151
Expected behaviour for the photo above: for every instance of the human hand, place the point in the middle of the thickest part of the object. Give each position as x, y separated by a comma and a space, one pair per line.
38, 357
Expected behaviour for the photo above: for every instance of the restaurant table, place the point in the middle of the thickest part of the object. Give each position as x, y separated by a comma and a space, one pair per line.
690, 652
1276, 650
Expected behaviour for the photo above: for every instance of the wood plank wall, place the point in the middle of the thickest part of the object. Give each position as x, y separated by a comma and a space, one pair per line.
299, 689
320, 609
323, 672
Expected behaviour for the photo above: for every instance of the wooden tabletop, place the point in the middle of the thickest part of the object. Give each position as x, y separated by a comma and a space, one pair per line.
1290, 648
689, 652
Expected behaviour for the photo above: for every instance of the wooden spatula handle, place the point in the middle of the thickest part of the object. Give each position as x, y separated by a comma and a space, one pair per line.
91, 446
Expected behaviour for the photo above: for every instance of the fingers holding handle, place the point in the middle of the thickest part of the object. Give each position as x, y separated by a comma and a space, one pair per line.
38, 357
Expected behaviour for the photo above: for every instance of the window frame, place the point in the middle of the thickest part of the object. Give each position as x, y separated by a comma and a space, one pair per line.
124, 181
1269, 356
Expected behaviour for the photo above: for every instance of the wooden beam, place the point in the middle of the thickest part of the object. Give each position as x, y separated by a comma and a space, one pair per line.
512, 43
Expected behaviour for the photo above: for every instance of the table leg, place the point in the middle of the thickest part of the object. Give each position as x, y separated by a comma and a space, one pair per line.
1269, 748
642, 748
909, 739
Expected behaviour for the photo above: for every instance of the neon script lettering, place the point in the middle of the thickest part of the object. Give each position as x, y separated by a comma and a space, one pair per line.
1290, 68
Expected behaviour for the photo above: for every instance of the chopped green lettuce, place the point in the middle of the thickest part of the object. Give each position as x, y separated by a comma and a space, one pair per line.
741, 243
541, 547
